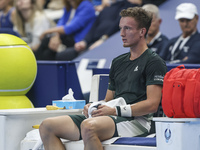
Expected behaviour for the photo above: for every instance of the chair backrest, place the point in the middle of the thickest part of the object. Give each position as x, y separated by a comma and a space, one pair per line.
99, 87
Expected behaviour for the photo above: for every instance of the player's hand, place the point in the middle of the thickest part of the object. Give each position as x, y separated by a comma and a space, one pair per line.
85, 110
103, 110
54, 43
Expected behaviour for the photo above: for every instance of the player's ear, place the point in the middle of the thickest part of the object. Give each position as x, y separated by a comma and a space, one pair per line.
143, 31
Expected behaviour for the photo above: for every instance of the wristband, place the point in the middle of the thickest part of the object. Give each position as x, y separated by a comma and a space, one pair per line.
118, 110
124, 111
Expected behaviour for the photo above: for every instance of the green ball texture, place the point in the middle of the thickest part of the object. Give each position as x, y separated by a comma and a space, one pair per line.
18, 66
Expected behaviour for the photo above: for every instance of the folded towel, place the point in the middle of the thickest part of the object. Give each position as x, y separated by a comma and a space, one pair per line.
113, 103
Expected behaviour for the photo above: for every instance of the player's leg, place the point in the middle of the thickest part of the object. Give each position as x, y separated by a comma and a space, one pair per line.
95, 130
52, 129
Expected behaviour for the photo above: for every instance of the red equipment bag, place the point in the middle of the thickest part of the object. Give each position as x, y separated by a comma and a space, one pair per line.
181, 93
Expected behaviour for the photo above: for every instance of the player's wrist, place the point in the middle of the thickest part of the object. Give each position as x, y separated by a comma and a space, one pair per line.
123, 111
114, 113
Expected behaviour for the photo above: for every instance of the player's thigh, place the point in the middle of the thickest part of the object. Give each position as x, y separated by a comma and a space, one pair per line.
63, 127
103, 126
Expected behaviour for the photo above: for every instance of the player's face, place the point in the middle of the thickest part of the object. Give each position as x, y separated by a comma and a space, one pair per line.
129, 31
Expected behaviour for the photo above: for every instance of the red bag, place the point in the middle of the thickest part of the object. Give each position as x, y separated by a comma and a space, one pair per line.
181, 93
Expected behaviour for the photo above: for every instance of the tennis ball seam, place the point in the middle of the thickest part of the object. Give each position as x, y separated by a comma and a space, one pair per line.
18, 90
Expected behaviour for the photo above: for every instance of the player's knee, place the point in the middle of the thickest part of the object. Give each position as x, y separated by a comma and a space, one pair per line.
87, 129
45, 127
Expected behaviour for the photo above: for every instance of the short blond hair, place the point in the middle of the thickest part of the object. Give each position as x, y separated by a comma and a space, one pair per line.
142, 17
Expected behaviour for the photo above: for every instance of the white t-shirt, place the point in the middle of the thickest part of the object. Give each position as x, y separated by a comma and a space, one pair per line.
33, 30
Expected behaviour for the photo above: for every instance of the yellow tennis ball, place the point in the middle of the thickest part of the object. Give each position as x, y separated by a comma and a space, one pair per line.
15, 102
18, 66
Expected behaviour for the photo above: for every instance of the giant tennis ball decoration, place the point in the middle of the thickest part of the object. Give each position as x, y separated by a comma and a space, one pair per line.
18, 69
15, 102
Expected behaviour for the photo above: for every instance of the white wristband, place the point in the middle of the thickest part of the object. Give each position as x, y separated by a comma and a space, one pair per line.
124, 111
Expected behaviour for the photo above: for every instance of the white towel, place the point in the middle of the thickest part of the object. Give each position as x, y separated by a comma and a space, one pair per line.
113, 103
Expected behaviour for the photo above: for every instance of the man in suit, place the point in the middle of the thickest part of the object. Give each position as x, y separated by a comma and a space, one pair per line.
185, 48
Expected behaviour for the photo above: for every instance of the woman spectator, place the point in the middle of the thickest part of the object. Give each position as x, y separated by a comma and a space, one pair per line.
30, 22
6, 17
78, 17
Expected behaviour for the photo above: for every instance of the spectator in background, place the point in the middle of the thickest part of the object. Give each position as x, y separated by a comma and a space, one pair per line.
185, 48
78, 18
6, 17
30, 22
54, 4
155, 2
6, 14
40, 4
155, 39
106, 24
101, 4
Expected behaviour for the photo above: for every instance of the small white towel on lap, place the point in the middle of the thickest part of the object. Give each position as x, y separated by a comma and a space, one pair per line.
113, 103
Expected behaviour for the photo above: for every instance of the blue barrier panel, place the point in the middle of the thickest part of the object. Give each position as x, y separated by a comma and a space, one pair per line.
187, 66
100, 71
103, 86
54, 78
169, 67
